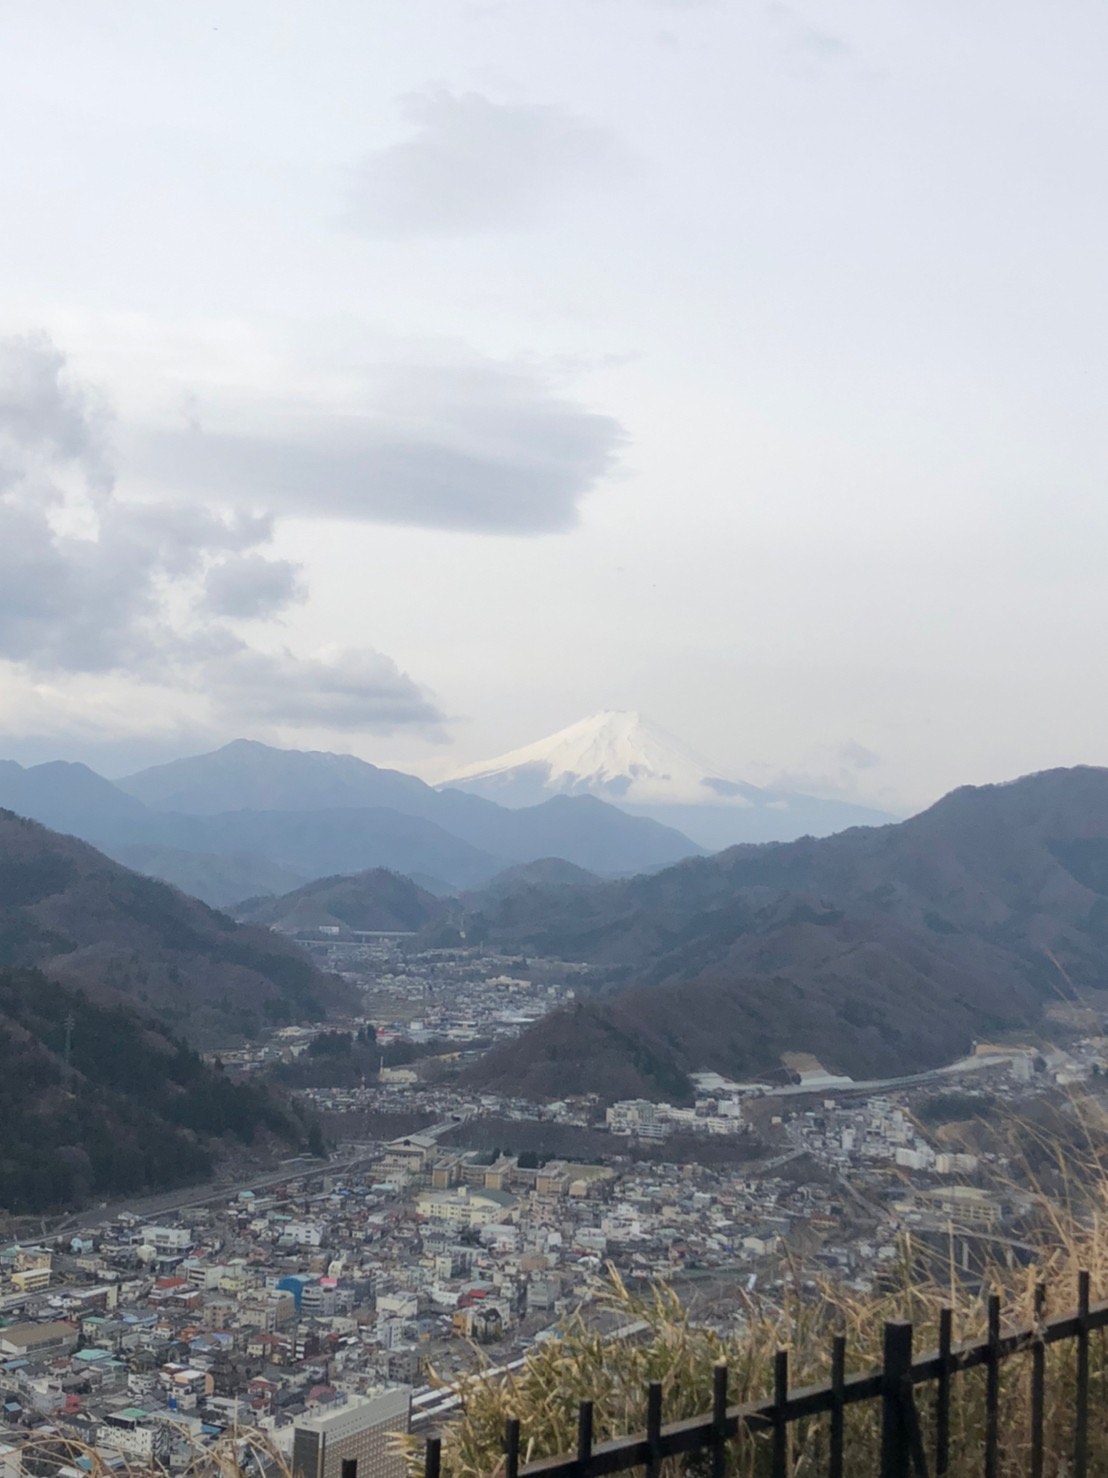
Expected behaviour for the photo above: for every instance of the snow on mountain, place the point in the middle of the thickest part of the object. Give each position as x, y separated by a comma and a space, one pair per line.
626, 759
620, 756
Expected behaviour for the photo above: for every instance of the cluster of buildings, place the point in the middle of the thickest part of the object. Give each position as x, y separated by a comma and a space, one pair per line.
464, 999
311, 1305
141, 1345
312, 1310
464, 996
639, 1118
837, 1171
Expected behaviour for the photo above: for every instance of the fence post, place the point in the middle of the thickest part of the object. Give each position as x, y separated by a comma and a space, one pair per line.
432, 1460
838, 1406
511, 1447
584, 1433
942, 1393
1038, 1383
719, 1419
1081, 1414
653, 1427
896, 1438
780, 1456
992, 1389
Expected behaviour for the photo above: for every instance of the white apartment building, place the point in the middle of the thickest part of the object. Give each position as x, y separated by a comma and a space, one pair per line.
167, 1239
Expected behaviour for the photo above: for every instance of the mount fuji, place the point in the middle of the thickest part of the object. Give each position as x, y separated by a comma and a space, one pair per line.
626, 759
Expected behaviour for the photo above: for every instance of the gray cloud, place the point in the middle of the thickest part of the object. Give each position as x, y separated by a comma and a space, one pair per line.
250, 587
474, 165
82, 571
481, 447
45, 420
91, 582
855, 756
353, 690
76, 605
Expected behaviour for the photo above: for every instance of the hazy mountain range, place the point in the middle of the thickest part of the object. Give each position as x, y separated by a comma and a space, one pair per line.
248, 819
613, 794
381, 900
627, 760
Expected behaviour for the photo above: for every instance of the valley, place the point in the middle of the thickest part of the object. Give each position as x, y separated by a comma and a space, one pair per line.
553, 785
420, 1123
884, 951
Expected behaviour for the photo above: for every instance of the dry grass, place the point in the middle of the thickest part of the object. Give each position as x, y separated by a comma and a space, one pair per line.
235, 1454
545, 1392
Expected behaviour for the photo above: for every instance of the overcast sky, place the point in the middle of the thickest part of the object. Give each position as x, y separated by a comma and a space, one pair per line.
414, 377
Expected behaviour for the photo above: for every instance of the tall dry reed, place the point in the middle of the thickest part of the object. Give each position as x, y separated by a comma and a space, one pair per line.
580, 1364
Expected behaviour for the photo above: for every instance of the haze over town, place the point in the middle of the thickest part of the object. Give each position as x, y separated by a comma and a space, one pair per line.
414, 380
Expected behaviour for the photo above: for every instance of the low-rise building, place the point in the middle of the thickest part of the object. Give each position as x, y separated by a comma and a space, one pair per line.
21, 1341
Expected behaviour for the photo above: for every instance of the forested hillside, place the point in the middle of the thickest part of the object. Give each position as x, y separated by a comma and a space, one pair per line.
135, 1110
377, 899
880, 950
92, 924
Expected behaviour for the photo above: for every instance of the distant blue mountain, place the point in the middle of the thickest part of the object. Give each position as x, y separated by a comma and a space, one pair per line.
284, 816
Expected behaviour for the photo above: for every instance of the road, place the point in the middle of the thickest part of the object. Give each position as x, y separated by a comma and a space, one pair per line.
201, 1195
355, 1157
880, 1085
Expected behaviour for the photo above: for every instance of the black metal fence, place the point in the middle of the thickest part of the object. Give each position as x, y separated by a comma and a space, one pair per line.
903, 1451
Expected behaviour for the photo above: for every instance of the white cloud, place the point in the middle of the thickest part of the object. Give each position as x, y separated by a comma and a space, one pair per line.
474, 165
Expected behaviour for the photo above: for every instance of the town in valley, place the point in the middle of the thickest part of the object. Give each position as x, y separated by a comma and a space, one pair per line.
449, 1229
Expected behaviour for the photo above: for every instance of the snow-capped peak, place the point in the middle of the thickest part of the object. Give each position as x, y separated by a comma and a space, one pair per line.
616, 754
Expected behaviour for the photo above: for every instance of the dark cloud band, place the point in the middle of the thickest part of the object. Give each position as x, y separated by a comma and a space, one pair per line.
91, 582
